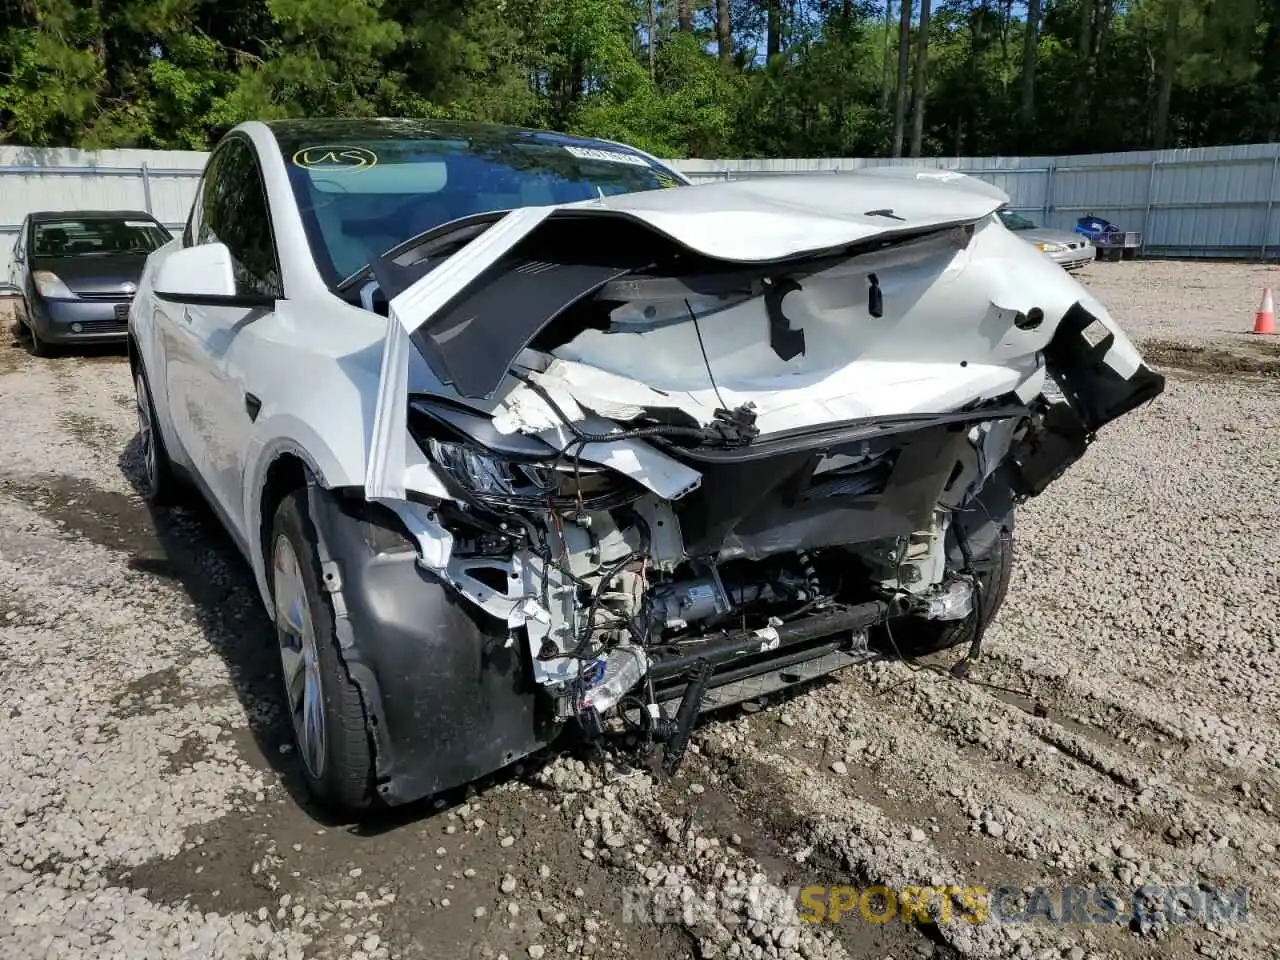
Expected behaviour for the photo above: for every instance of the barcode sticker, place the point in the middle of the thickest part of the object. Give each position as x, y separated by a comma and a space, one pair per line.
608, 156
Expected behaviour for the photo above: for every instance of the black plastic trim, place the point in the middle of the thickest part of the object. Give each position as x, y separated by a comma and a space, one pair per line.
448, 698
245, 300
1095, 390
734, 651
849, 431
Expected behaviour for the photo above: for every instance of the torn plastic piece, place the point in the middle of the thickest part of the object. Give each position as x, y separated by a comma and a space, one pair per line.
951, 601
622, 670
435, 543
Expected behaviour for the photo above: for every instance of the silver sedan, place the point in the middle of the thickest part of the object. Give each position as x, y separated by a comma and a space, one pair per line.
1069, 250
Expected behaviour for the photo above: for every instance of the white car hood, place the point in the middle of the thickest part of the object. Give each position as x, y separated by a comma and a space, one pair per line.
460, 319
750, 221
471, 314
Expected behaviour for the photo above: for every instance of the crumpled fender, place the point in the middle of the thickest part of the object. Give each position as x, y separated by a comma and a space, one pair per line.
1087, 358
448, 695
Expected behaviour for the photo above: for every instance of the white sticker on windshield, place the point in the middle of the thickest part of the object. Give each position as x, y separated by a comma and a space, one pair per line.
138, 223
608, 156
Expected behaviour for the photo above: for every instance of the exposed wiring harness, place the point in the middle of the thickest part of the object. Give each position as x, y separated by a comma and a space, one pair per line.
959, 670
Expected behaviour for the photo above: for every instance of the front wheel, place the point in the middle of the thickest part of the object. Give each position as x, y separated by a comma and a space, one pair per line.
37, 345
323, 704
160, 484
917, 636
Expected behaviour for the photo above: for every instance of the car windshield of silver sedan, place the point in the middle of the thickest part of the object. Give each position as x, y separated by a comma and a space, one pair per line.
361, 198
101, 236
1015, 222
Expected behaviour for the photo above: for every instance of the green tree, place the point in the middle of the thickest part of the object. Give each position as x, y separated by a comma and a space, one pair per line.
678, 77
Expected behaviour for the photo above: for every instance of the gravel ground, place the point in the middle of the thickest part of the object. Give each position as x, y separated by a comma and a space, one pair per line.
1125, 732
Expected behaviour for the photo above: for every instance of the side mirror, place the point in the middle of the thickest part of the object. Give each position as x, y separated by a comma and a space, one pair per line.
203, 276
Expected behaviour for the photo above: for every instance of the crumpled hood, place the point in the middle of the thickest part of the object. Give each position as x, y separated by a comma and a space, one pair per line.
753, 221
472, 313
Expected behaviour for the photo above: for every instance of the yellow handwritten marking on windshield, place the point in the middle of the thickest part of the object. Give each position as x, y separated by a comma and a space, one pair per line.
335, 156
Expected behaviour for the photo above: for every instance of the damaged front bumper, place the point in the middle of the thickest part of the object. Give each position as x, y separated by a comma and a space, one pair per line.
731, 506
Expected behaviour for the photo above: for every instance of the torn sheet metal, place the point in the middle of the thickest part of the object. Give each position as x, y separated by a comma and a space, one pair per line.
523, 411
385, 463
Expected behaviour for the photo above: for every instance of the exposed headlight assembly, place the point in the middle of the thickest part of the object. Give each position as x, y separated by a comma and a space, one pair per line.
1050, 247
481, 472
557, 482
49, 285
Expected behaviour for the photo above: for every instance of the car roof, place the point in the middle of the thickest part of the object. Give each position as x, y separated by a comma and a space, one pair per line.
294, 134
55, 216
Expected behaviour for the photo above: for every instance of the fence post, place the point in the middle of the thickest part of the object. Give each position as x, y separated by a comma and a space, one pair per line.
1271, 202
1048, 192
146, 187
1146, 215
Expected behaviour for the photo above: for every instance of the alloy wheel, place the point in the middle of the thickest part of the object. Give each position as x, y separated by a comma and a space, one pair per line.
299, 661
146, 434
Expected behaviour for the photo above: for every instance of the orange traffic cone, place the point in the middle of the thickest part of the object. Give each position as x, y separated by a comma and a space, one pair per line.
1266, 320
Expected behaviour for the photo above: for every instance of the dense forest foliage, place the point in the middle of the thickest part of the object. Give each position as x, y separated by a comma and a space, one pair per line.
704, 78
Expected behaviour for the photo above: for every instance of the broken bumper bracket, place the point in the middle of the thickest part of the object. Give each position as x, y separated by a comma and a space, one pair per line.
742, 670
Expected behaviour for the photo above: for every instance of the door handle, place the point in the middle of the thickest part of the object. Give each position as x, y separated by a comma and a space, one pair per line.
186, 315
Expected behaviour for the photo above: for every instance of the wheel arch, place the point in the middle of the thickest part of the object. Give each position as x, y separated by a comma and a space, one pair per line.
135, 359
447, 697
289, 468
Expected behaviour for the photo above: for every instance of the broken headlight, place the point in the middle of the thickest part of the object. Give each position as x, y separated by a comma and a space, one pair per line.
558, 482
481, 472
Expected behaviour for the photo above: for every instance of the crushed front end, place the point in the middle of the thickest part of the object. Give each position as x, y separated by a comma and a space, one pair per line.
687, 483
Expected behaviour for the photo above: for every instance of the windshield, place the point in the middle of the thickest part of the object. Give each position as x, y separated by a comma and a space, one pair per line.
94, 237
361, 198
1015, 222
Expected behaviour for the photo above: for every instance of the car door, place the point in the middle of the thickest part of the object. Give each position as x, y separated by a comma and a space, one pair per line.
219, 339
179, 348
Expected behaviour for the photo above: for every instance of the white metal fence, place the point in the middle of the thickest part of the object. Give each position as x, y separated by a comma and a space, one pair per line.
160, 182
1212, 201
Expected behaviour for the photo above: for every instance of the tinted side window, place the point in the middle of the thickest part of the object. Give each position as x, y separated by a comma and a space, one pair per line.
196, 216
234, 212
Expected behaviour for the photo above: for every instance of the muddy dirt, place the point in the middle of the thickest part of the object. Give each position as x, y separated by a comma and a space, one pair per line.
1260, 357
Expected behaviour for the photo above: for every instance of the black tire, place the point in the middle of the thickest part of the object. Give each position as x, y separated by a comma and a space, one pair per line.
344, 781
917, 636
37, 346
161, 485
